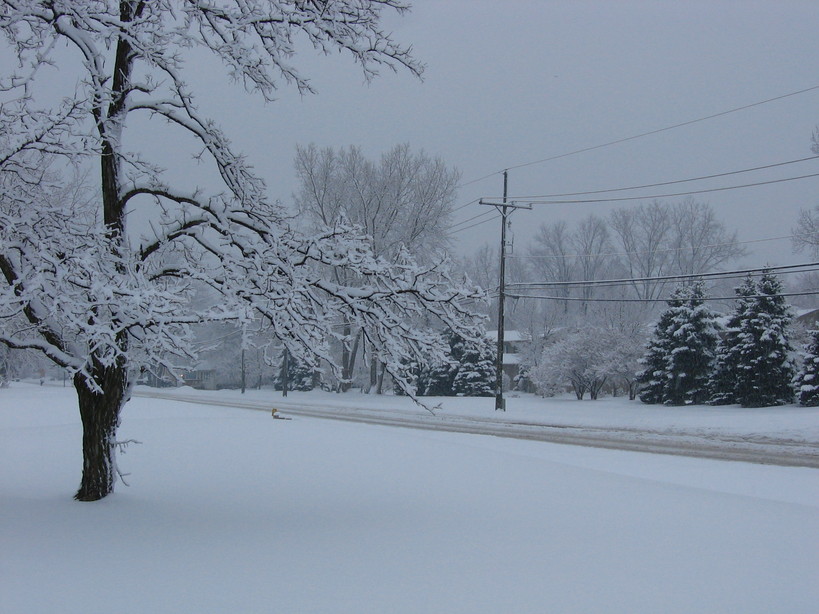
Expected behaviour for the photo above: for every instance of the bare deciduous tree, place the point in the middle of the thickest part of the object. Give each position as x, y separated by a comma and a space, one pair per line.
552, 257
663, 239
806, 232
403, 203
593, 247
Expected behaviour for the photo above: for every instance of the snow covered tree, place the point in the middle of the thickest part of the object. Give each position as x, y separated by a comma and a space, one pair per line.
468, 369
300, 376
582, 360
623, 360
726, 362
807, 381
403, 201
766, 367
680, 354
99, 300
475, 369
754, 366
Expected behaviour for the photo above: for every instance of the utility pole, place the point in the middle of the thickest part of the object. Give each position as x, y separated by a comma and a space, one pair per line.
243, 369
285, 372
503, 207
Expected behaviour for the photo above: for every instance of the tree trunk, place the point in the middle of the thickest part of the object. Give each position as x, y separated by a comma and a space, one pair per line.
348, 360
99, 411
373, 373
380, 388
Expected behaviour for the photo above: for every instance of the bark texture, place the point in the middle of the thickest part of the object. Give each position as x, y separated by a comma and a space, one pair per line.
100, 411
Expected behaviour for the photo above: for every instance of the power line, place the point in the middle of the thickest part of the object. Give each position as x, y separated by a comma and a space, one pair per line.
681, 277
630, 283
494, 217
665, 183
463, 185
656, 196
656, 251
474, 217
651, 132
465, 205
643, 134
650, 300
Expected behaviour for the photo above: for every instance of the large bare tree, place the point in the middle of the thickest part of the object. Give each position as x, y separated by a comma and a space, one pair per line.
98, 302
806, 232
663, 239
403, 201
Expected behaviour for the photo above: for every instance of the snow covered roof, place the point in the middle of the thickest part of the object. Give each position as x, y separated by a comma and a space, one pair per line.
511, 359
509, 336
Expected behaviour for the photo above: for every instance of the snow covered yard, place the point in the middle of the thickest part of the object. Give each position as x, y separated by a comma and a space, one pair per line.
232, 511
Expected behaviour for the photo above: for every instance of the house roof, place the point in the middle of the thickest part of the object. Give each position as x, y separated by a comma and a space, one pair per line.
509, 336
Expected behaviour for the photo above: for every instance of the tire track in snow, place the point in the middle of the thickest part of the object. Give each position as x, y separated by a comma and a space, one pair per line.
719, 446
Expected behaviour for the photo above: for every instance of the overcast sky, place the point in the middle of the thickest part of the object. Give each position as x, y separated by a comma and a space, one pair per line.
515, 81
512, 82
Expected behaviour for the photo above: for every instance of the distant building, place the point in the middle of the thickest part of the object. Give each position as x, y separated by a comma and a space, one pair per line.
515, 344
159, 376
203, 379
809, 319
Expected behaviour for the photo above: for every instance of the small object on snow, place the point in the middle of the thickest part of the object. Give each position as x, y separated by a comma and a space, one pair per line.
275, 413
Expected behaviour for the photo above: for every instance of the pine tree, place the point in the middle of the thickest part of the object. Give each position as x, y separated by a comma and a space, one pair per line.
755, 365
681, 353
652, 378
476, 371
724, 376
436, 380
470, 370
807, 382
300, 376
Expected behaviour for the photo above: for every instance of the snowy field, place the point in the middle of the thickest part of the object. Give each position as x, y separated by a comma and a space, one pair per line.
229, 510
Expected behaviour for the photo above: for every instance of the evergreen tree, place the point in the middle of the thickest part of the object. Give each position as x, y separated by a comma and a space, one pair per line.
300, 376
724, 376
755, 366
680, 355
652, 379
807, 382
436, 380
470, 371
476, 372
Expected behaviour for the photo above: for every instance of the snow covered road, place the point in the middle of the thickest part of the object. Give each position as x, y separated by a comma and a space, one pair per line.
723, 443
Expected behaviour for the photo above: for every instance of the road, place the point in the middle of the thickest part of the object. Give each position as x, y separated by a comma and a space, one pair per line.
764, 450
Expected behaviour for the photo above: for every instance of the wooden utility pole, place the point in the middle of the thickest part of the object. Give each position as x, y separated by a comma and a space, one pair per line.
285, 372
503, 207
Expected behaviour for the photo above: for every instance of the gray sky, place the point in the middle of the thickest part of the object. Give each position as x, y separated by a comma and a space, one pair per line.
512, 82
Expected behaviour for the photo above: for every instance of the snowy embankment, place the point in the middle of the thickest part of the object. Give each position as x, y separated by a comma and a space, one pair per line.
786, 435
232, 511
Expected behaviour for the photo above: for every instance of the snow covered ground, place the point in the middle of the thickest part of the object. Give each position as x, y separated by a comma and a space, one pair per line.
232, 511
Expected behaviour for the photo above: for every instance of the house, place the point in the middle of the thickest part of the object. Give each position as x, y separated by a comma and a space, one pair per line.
515, 344
202, 379
159, 376
809, 318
